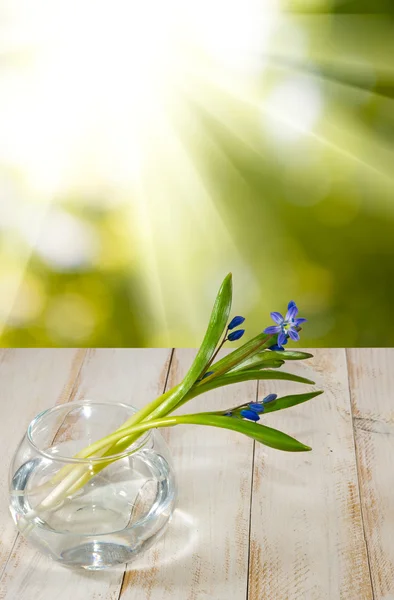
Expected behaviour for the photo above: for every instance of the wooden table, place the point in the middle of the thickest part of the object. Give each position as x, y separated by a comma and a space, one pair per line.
251, 522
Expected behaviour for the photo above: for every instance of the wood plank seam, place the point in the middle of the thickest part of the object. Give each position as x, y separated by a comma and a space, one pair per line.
360, 493
251, 505
73, 388
69, 393
122, 583
70, 396
3, 353
9, 555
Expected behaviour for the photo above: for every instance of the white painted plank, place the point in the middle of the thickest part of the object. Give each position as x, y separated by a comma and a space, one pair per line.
131, 375
307, 536
371, 377
121, 375
30, 381
204, 553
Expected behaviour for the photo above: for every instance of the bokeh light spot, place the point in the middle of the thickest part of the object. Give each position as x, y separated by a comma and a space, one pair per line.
70, 319
292, 108
65, 242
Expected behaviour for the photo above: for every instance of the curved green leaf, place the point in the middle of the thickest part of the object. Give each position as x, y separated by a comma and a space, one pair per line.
287, 355
261, 433
238, 376
288, 401
216, 326
255, 362
267, 364
269, 358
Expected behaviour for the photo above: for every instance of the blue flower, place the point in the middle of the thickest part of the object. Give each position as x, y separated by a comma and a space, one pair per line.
270, 398
286, 326
235, 322
277, 347
250, 414
256, 406
235, 335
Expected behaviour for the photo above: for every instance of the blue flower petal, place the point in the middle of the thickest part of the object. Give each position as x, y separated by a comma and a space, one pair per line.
270, 398
291, 313
282, 339
299, 321
273, 329
235, 322
277, 317
291, 304
235, 335
277, 348
293, 333
250, 414
256, 406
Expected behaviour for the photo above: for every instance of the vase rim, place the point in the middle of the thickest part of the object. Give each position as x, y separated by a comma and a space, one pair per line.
95, 460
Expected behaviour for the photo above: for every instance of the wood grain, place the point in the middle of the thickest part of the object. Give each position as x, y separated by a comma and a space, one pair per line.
307, 537
371, 378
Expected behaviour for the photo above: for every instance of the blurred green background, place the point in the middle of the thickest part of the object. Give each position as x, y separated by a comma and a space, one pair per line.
146, 149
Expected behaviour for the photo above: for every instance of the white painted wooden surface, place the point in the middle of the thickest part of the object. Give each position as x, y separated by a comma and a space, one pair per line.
30, 381
307, 535
371, 376
251, 523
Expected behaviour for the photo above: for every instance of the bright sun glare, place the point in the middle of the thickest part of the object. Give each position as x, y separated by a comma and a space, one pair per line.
96, 77
94, 100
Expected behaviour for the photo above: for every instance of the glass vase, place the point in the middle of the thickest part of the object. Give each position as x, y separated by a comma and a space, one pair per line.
110, 513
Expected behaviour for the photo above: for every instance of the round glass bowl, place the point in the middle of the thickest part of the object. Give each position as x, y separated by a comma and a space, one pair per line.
90, 513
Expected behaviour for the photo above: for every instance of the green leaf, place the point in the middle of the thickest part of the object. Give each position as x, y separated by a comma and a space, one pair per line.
287, 355
261, 433
216, 326
238, 376
288, 401
267, 364
255, 362
269, 355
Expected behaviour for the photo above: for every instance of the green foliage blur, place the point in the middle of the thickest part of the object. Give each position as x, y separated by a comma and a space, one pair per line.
123, 203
